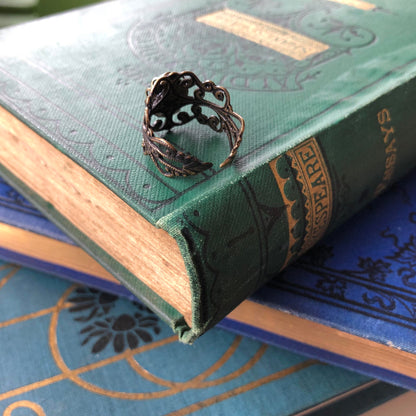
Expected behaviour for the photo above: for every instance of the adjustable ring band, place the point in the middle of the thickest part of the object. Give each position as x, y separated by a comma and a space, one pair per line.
165, 97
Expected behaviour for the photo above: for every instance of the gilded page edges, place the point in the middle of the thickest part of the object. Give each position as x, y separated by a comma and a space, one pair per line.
262, 32
309, 169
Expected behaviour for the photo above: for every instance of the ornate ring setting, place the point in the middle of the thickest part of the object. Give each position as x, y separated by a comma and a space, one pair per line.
165, 97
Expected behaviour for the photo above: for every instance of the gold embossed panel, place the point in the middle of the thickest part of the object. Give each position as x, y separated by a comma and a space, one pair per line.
358, 4
264, 33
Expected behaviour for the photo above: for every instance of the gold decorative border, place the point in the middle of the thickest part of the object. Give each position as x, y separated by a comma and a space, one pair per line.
244, 389
26, 404
13, 271
291, 221
309, 168
130, 356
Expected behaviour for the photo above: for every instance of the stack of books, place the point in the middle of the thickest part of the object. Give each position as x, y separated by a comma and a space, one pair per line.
68, 349
325, 93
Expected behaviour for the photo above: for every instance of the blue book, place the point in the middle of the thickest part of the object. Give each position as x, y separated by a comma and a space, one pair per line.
351, 301
70, 350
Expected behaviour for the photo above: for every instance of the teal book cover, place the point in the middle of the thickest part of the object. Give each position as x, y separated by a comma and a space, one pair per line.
326, 93
71, 350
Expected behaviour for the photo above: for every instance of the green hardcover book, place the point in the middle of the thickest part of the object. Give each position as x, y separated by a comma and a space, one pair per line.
326, 90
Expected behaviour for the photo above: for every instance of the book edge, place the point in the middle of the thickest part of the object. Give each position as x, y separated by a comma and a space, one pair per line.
285, 325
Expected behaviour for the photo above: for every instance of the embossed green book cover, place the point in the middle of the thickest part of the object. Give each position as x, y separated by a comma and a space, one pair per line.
326, 90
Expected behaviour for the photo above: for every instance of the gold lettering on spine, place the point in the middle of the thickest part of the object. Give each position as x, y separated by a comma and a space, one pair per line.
264, 33
310, 170
388, 134
314, 176
358, 4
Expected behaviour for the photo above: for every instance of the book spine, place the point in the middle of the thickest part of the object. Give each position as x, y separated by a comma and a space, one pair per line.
282, 208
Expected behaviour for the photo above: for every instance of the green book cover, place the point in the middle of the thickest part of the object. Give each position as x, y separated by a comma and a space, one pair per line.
325, 88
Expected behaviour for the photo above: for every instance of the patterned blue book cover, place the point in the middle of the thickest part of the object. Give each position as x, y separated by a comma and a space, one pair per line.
70, 350
360, 281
